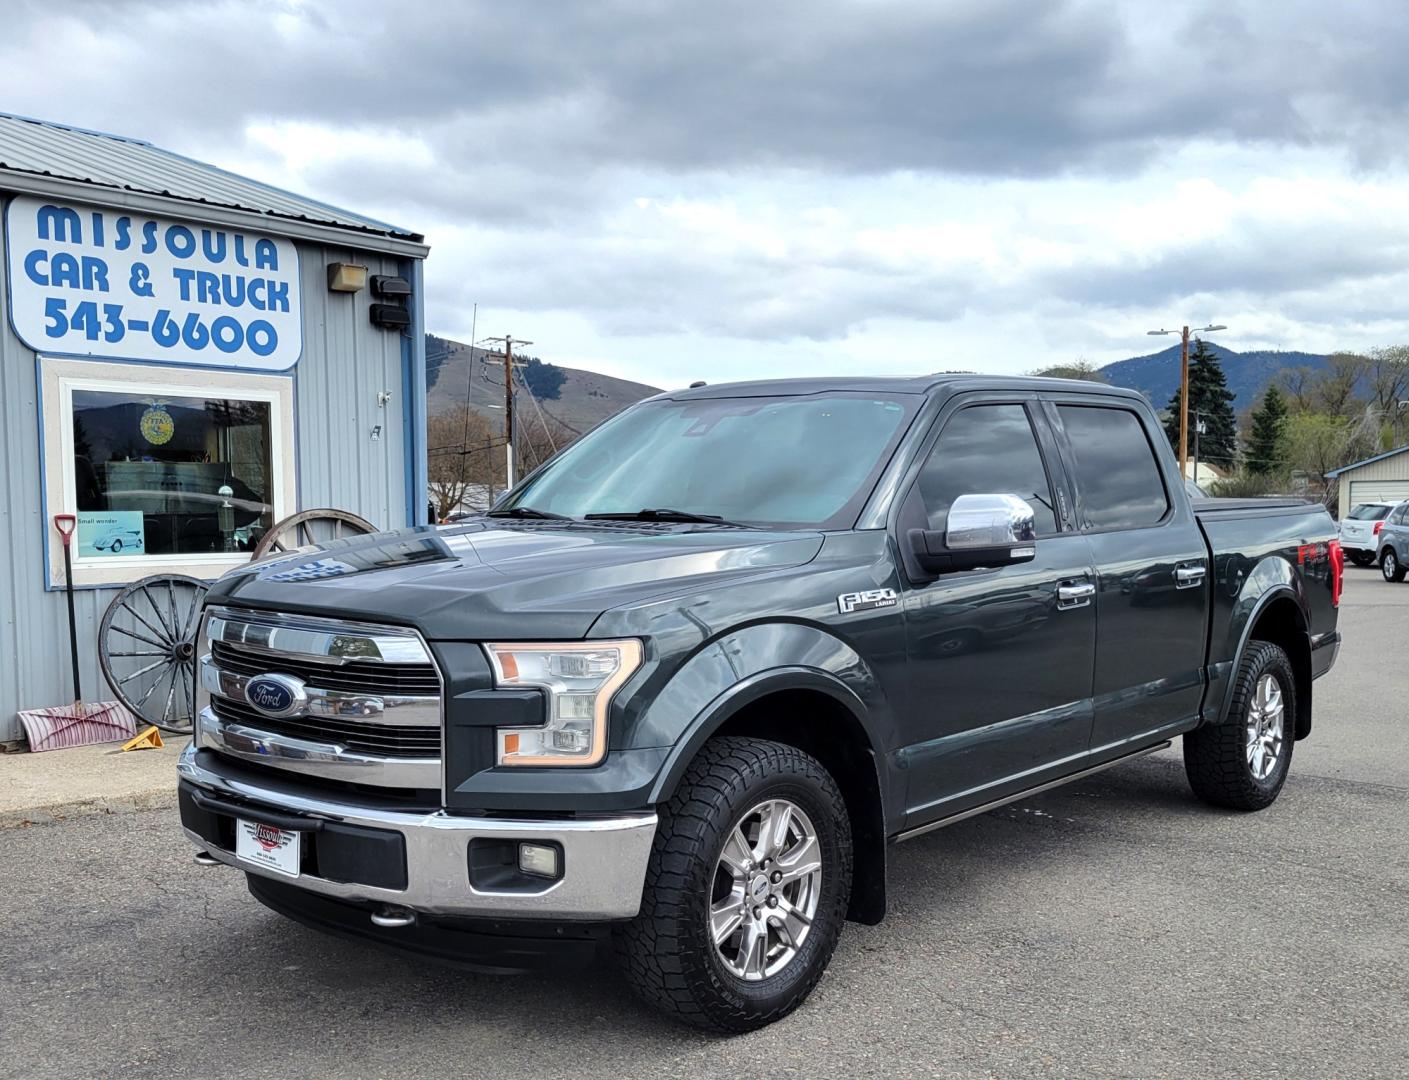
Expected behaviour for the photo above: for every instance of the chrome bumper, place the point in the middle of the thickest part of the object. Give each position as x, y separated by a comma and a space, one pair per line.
604, 858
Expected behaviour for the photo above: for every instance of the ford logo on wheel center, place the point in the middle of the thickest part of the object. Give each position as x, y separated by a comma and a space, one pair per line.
276, 695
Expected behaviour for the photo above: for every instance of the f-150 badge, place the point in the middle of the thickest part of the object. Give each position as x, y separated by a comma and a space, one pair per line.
848, 602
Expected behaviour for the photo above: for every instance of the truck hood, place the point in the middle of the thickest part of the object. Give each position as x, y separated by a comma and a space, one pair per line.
506, 580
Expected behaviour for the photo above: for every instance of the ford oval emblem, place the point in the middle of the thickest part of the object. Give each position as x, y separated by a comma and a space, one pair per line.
276, 695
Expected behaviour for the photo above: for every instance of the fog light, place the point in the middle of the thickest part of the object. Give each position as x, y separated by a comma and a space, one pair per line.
541, 860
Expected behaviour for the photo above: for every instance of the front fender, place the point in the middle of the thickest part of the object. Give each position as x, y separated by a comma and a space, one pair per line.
734, 698
745, 665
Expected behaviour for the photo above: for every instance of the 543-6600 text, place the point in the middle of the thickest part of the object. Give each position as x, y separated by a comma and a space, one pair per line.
106, 322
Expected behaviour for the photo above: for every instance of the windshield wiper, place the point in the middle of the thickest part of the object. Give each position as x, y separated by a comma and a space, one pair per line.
665, 514
527, 512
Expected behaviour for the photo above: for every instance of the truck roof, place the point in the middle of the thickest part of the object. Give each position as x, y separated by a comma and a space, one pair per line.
908, 384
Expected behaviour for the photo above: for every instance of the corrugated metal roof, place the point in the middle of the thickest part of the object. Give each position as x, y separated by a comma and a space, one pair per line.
43, 148
1367, 461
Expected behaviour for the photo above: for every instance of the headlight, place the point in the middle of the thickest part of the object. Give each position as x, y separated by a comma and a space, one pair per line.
579, 679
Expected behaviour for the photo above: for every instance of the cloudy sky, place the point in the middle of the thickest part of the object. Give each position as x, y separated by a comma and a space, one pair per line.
679, 191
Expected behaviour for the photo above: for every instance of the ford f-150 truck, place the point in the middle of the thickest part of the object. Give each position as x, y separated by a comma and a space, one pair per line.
686, 684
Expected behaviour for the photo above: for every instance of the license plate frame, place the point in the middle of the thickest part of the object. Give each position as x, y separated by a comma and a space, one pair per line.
268, 847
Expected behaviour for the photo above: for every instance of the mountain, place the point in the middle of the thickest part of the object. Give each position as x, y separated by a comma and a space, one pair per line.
1157, 375
584, 398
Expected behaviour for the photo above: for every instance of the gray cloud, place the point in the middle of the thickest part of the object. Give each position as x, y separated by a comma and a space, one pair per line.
992, 88
545, 118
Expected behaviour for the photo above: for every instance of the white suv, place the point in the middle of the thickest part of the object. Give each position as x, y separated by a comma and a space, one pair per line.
1360, 531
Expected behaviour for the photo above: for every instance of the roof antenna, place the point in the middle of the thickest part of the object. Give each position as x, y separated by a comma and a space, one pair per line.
697, 384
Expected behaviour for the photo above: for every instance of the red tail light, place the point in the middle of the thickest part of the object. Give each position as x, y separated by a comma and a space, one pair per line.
1379, 528
1337, 572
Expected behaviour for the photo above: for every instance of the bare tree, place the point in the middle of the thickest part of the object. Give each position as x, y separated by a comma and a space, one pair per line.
462, 454
1388, 376
1337, 385
1299, 382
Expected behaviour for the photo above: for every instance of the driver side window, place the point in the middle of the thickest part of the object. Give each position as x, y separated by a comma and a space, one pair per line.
987, 450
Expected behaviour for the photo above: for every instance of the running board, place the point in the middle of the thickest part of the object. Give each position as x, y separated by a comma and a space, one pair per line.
1027, 793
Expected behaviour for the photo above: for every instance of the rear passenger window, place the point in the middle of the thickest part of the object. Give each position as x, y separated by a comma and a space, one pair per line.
1117, 477
987, 450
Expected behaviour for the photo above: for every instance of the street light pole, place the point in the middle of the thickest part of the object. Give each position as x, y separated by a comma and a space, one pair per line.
1184, 388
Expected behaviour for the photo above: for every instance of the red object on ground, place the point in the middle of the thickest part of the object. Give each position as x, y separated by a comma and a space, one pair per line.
76, 725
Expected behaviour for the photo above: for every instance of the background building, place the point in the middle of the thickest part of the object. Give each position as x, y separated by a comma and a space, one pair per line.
187, 357
1382, 478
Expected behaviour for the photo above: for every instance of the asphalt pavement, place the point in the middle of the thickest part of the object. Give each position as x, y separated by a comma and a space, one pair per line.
1114, 927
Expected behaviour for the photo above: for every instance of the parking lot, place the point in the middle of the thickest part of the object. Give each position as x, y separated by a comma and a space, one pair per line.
1114, 927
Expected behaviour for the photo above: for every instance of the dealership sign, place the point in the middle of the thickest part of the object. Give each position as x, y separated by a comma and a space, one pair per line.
103, 283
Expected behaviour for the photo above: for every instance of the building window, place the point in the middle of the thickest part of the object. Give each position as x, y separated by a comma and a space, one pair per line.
166, 472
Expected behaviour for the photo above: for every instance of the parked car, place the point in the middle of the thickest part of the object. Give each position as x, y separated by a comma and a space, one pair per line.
1360, 531
1394, 543
685, 685
116, 540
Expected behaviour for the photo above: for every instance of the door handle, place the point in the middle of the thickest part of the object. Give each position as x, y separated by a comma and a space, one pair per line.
1186, 577
1075, 595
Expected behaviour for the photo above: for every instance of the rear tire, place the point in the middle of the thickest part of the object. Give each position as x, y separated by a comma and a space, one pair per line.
1242, 762
685, 951
1390, 566
1361, 558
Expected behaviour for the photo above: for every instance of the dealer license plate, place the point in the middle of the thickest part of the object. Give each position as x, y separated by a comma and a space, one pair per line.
264, 845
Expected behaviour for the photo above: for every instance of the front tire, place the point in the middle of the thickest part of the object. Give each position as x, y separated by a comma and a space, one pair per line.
746, 891
1243, 762
1390, 566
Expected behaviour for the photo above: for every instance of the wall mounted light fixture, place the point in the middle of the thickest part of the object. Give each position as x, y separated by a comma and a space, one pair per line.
346, 277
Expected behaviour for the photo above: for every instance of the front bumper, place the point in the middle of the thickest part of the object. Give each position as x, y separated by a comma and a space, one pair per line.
604, 858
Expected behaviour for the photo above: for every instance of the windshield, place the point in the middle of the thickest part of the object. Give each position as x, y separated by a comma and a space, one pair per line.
782, 461
1370, 512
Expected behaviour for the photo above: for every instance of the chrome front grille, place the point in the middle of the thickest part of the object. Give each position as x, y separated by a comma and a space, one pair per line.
406, 742
354, 702
359, 676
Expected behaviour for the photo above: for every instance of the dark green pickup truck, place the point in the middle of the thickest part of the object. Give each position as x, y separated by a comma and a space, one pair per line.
684, 686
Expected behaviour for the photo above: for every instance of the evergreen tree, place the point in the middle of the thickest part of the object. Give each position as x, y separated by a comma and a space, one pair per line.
1267, 446
1210, 399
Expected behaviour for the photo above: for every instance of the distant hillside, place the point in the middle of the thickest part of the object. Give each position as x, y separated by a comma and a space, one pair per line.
584, 400
1157, 375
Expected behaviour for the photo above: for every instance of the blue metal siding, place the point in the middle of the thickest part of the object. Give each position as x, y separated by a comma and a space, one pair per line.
346, 362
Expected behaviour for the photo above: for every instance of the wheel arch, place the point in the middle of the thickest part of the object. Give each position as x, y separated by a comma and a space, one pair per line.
1280, 618
819, 714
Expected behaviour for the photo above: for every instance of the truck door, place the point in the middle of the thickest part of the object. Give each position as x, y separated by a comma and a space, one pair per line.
1151, 561
999, 660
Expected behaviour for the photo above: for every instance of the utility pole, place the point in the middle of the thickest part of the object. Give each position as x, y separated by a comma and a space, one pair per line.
1184, 388
507, 358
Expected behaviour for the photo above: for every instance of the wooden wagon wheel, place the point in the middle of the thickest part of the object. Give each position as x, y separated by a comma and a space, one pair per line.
310, 527
147, 649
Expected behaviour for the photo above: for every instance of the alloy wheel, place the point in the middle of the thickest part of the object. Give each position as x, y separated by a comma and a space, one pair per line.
767, 884
1265, 726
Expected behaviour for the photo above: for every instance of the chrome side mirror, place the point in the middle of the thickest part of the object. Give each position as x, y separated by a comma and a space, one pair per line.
980, 531
989, 521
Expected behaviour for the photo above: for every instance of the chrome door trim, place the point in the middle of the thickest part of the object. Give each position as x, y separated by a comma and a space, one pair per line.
1075, 595
1190, 575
